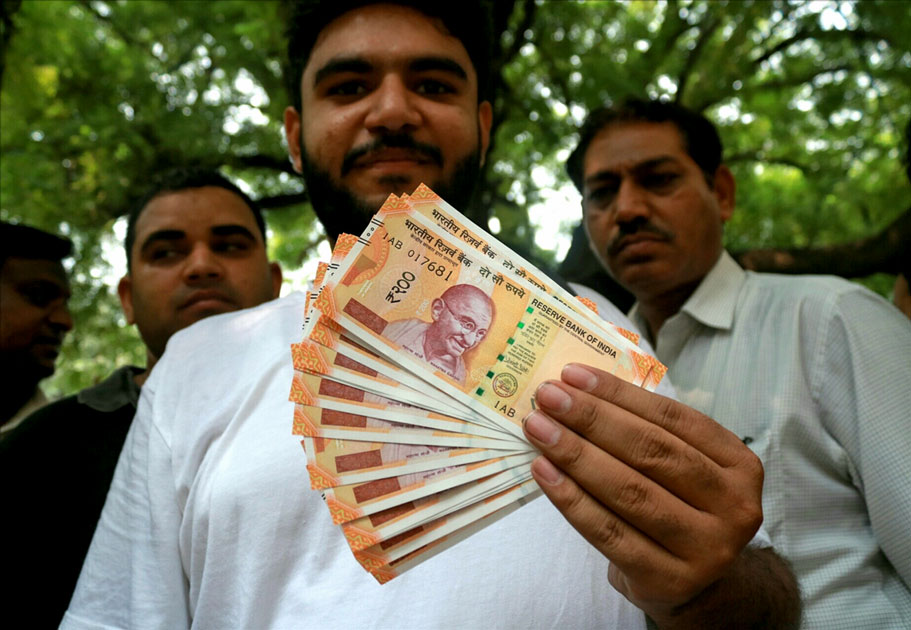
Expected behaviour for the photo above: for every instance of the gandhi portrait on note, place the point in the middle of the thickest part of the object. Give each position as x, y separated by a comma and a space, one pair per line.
461, 319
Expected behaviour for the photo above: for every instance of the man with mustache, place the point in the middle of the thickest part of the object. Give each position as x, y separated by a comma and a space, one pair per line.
210, 521
34, 317
812, 371
196, 247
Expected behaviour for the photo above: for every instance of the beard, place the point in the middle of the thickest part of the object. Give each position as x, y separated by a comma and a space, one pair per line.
339, 210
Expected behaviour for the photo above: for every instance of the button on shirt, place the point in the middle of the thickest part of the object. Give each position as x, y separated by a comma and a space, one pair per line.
814, 373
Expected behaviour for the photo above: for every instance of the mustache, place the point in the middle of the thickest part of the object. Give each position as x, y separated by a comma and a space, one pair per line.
399, 141
633, 228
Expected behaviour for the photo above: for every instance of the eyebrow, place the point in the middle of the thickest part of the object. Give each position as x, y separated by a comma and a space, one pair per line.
230, 229
359, 65
340, 65
445, 64
607, 174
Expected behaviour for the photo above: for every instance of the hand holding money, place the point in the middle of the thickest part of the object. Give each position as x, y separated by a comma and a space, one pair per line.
421, 353
649, 482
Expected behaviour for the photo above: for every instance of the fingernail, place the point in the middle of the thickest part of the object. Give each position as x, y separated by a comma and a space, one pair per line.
552, 397
547, 472
579, 377
542, 428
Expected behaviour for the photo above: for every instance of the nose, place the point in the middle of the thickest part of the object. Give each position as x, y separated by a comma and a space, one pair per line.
630, 203
61, 318
393, 107
202, 265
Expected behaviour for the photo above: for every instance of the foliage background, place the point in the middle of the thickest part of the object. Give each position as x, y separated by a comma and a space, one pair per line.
811, 99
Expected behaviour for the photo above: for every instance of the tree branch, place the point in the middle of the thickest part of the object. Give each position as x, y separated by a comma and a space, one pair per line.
122, 34
283, 201
704, 36
7, 10
757, 156
260, 160
886, 251
819, 34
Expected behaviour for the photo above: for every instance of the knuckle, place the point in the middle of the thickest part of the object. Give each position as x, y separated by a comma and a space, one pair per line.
650, 450
608, 388
670, 413
607, 534
573, 454
588, 418
634, 497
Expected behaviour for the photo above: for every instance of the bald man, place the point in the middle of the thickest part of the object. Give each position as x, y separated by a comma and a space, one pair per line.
461, 318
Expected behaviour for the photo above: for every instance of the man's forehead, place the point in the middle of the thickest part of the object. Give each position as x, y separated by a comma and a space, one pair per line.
470, 305
20, 270
193, 207
622, 146
386, 35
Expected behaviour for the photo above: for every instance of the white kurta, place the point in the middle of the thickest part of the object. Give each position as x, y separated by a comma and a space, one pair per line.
211, 523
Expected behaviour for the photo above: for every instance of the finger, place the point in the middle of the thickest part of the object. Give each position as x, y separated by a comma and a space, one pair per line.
686, 423
624, 491
641, 569
645, 447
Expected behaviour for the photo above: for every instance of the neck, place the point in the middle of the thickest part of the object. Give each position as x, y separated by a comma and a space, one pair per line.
658, 308
151, 360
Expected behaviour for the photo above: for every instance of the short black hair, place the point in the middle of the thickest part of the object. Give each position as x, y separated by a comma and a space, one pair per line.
469, 21
699, 136
182, 178
23, 241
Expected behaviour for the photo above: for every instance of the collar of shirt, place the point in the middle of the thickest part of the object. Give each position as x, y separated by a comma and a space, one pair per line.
714, 301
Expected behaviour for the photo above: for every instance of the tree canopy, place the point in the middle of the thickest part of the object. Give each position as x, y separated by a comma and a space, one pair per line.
811, 99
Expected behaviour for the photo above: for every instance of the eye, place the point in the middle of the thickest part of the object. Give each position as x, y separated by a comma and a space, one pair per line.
163, 253
434, 87
41, 294
347, 88
659, 181
231, 247
601, 196
467, 325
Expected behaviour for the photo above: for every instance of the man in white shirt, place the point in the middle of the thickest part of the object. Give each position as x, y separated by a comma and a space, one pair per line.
812, 372
210, 521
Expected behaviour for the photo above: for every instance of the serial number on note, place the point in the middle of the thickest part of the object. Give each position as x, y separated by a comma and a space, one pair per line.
439, 269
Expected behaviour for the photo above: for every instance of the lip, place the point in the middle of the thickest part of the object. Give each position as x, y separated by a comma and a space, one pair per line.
206, 298
392, 158
47, 346
637, 243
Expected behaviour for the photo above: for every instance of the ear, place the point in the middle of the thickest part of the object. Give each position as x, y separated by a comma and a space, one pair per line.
276, 271
485, 120
436, 309
125, 291
725, 191
293, 136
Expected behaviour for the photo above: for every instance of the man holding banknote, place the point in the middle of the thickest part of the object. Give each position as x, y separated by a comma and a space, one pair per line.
209, 521
811, 371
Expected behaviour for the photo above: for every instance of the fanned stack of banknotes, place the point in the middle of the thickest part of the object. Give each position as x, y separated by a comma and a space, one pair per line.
424, 340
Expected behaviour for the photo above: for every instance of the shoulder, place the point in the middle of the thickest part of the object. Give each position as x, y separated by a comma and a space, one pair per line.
213, 368
248, 333
813, 296
41, 425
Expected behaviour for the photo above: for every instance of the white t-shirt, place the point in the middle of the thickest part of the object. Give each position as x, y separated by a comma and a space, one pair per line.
210, 521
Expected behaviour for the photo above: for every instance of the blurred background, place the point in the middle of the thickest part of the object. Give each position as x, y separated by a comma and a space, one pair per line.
812, 99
